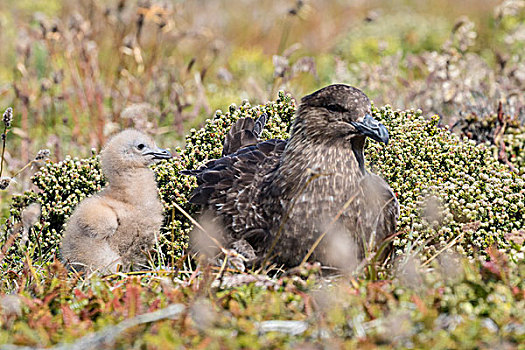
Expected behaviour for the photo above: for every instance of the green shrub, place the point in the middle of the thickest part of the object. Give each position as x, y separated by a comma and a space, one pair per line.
487, 128
431, 170
447, 187
515, 147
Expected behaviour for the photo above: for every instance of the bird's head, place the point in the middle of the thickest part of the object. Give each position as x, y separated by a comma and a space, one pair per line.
130, 149
338, 111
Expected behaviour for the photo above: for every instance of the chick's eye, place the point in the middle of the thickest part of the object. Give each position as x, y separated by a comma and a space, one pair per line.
141, 146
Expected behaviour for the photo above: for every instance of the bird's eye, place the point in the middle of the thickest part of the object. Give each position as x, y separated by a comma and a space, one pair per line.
141, 146
335, 108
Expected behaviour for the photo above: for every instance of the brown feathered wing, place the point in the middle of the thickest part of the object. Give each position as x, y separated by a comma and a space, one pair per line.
233, 186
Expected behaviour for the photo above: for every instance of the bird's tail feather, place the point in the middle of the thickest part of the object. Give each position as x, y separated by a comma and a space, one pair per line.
259, 124
245, 132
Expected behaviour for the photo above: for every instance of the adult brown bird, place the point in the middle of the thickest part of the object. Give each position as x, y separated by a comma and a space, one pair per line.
119, 225
281, 196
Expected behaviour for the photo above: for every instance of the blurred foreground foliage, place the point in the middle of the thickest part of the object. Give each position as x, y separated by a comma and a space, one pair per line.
454, 305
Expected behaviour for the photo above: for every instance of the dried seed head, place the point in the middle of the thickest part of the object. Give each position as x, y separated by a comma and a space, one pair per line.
342, 250
409, 273
450, 265
7, 118
11, 305
4, 182
58, 76
42, 154
205, 242
202, 314
141, 116
31, 215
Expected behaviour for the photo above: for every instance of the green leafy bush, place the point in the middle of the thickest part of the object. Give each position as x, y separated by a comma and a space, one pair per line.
515, 146
451, 191
449, 188
505, 133
62, 185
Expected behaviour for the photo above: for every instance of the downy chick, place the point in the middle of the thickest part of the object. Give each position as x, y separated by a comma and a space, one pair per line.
118, 225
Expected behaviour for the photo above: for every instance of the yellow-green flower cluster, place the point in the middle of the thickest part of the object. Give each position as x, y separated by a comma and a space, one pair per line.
62, 185
480, 200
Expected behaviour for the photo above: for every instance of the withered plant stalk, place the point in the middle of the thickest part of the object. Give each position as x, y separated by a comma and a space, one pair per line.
4, 137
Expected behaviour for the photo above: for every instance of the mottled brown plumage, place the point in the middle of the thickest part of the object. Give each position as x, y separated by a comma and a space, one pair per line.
289, 191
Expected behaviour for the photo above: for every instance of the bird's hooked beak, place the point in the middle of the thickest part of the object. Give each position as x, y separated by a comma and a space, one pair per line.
159, 153
372, 128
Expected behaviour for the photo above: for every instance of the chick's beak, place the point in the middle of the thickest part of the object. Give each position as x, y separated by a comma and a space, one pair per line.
372, 128
159, 153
